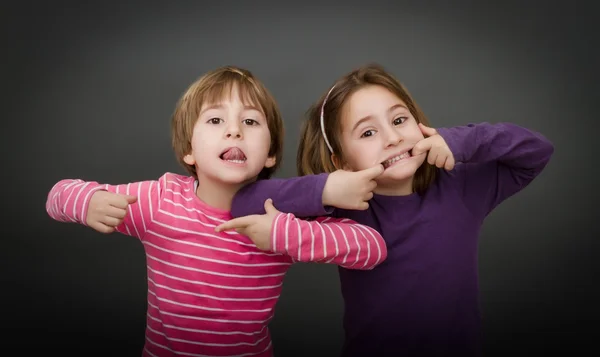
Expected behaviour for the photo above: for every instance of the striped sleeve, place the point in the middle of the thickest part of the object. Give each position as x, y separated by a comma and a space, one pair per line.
328, 240
69, 199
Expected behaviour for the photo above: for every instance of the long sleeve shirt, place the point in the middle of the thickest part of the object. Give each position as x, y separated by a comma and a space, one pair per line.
209, 293
424, 299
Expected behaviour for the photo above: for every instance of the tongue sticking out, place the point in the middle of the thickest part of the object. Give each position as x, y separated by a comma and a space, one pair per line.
234, 154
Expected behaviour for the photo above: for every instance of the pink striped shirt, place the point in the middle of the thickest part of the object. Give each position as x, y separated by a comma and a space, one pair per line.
209, 293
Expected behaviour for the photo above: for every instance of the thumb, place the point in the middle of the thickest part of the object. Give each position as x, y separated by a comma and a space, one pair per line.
427, 131
269, 208
374, 171
131, 199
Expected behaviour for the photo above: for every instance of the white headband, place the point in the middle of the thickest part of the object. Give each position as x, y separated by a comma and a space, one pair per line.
323, 120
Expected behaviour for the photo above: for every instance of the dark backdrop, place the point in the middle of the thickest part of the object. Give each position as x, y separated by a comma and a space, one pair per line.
90, 88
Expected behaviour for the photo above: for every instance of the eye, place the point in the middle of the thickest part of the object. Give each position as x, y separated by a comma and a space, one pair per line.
368, 133
400, 120
250, 122
214, 121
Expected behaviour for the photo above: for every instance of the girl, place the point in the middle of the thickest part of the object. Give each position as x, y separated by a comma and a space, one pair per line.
429, 203
214, 294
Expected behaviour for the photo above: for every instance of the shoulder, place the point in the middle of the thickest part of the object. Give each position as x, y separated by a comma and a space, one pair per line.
176, 183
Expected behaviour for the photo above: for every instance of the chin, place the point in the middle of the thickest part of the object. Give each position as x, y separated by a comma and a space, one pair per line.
235, 179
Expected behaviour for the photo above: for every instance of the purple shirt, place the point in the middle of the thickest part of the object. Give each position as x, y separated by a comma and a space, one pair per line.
424, 299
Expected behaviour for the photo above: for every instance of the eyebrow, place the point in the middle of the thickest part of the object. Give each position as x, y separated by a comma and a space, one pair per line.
369, 117
220, 106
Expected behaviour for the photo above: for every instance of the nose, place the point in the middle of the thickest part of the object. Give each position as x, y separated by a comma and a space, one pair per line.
233, 131
392, 137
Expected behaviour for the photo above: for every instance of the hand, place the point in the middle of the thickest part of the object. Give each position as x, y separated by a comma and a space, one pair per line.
257, 227
351, 190
439, 152
107, 210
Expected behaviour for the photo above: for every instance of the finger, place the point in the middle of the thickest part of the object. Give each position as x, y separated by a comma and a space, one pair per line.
363, 206
421, 147
431, 158
371, 185
441, 161
269, 208
373, 172
102, 228
368, 196
449, 163
115, 212
120, 201
236, 223
427, 131
111, 221
131, 199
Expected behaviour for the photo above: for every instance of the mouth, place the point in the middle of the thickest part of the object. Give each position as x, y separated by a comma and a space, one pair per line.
233, 155
392, 160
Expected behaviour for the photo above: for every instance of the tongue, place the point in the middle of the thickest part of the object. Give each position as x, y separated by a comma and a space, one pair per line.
234, 154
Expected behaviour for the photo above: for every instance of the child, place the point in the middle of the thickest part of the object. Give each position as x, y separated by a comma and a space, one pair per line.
213, 294
429, 204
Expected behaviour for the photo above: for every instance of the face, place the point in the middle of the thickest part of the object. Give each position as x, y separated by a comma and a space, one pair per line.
230, 142
378, 128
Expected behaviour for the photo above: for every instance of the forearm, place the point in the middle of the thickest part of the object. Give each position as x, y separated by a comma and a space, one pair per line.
327, 240
68, 200
508, 144
301, 196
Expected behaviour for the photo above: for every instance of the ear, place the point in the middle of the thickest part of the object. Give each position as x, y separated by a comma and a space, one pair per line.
189, 159
337, 162
271, 161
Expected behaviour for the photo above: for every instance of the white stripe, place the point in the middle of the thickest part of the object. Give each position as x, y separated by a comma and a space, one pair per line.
193, 210
126, 225
186, 189
299, 239
199, 355
185, 292
368, 245
150, 200
347, 243
206, 343
139, 202
337, 249
180, 194
215, 273
76, 197
357, 246
137, 234
199, 245
243, 322
224, 262
212, 332
196, 306
196, 220
370, 230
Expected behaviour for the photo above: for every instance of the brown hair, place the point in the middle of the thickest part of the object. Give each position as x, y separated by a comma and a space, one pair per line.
210, 89
313, 155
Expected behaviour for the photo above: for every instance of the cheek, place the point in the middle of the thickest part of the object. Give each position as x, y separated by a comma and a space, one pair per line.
260, 141
359, 157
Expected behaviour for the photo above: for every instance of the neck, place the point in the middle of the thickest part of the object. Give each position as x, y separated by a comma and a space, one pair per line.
395, 188
217, 194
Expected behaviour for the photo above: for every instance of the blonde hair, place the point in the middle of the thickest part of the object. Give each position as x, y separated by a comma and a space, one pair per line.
313, 155
210, 89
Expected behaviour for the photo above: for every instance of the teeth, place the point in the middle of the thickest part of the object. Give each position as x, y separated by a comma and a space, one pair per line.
389, 162
236, 161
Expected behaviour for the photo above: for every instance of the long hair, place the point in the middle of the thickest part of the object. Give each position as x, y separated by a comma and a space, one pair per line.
314, 155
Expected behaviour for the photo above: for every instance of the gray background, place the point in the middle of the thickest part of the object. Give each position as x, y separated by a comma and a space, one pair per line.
89, 90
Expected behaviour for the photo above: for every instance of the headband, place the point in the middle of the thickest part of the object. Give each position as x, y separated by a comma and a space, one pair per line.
323, 120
